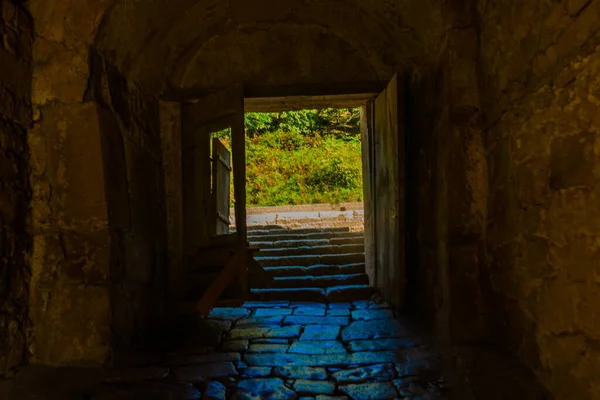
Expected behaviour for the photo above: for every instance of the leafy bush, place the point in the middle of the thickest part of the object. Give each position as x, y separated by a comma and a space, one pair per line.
303, 157
344, 122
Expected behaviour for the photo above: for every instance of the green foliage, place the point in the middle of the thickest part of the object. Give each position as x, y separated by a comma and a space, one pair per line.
304, 157
343, 122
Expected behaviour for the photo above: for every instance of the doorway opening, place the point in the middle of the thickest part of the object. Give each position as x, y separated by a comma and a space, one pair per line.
304, 203
312, 265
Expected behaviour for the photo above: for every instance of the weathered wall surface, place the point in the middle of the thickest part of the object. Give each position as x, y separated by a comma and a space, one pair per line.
542, 89
265, 42
15, 239
170, 132
69, 297
98, 263
131, 147
447, 181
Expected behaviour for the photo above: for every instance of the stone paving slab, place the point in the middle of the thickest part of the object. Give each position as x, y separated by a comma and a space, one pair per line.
377, 329
311, 312
338, 313
369, 391
257, 372
271, 312
365, 353
268, 348
317, 332
295, 372
317, 347
378, 372
380, 344
325, 360
291, 331
309, 320
264, 388
367, 315
229, 313
308, 387
259, 321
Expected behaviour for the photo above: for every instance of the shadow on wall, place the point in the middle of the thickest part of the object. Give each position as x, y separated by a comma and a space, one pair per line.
16, 28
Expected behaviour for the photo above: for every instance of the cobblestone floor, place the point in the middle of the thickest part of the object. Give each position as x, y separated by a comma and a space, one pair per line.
283, 350
286, 350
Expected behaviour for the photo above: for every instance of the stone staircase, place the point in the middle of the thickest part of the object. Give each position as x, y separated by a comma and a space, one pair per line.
311, 264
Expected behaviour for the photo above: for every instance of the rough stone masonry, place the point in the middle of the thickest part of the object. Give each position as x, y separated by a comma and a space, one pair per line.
503, 162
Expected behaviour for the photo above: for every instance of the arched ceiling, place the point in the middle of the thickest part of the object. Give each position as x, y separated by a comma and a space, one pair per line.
212, 43
172, 44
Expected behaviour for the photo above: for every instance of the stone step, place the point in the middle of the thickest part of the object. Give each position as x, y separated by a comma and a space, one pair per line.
330, 221
311, 259
284, 244
299, 231
302, 250
343, 293
252, 228
320, 281
296, 235
316, 270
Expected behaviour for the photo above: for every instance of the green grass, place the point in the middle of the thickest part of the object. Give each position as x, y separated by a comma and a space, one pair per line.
282, 170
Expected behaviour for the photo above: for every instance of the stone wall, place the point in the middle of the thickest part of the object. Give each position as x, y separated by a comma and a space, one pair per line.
542, 91
447, 189
99, 259
15, 238
131, 146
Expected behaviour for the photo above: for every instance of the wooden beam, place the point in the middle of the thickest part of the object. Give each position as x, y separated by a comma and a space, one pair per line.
250, 91
227, 275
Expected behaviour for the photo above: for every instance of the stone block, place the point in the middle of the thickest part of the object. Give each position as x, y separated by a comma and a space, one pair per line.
308, 320
326, 360
318, 332
256, 372
367, 315
317, 347
259, 321
377, 373
308, 387
271, 312
268, 348
375, 329
293, 372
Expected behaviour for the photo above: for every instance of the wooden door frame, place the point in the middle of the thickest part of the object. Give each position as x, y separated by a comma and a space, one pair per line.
375, 247
212, 113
